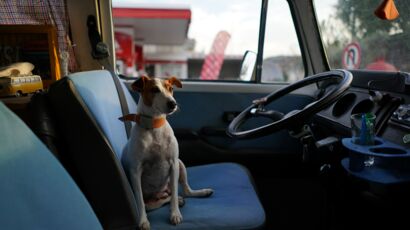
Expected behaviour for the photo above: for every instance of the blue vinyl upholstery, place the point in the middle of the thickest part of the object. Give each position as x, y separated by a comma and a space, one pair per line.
234, 204
98, 91
36, 192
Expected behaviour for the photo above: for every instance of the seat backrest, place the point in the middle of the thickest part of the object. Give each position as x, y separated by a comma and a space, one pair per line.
86, 109
36, 192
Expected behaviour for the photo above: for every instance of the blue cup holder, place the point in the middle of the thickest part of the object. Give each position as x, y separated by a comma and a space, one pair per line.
377, 142
387, 150
384, 162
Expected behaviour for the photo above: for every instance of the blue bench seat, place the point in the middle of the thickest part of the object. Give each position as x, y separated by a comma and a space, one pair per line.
87, 108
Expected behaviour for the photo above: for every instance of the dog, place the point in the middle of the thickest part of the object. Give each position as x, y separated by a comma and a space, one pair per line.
151, 156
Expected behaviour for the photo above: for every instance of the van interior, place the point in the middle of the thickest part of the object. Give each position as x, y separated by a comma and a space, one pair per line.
296, 113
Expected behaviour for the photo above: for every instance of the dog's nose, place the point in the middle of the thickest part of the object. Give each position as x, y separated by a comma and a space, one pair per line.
171, 105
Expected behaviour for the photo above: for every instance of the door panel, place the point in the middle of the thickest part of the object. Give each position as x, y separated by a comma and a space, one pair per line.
205, 110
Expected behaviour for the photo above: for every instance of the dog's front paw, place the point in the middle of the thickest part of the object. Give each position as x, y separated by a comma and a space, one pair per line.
144, 225
176, 217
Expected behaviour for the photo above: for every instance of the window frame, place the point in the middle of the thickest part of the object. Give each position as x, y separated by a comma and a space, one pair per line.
309, 37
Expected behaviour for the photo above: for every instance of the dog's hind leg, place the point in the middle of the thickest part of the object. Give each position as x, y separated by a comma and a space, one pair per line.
187, 191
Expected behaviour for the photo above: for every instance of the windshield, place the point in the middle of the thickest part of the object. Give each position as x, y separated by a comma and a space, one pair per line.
204, 40
354, 38
190, 39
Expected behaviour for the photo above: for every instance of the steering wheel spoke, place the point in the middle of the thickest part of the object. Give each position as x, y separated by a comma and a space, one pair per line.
271, 114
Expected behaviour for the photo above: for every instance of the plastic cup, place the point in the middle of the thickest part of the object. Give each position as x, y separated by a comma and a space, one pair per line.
362, 126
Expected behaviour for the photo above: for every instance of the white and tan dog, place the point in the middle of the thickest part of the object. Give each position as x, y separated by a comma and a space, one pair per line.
150, 157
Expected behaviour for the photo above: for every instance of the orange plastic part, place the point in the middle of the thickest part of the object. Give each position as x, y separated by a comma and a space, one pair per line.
387, 10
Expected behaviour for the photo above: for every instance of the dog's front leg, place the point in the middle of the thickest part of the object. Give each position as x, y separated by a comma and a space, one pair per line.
176, 216
136, 174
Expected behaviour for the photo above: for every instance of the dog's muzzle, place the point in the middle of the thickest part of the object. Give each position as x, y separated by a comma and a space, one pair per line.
172, 105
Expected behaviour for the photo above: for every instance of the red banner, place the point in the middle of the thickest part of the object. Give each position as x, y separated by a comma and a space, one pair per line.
214, 60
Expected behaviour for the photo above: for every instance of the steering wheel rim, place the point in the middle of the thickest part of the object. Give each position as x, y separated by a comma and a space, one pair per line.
307, 111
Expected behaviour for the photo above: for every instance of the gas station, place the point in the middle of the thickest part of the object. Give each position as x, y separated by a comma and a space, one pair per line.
153, 39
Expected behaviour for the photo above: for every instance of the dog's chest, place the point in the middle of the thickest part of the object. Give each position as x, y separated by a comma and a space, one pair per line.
155, 172
159, 153
158, 145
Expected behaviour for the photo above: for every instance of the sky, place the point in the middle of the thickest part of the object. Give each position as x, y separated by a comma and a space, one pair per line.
240, 18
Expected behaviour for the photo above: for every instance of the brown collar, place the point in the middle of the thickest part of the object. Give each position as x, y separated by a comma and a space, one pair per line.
144, 121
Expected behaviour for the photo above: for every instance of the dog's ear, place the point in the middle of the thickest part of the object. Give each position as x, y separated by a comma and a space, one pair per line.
138, 84
175, 81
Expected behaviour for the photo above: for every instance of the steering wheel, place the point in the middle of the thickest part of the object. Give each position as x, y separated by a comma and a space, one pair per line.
282, 121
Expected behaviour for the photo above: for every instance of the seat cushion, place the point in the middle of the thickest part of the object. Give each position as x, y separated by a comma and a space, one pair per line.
36, 191
234, 204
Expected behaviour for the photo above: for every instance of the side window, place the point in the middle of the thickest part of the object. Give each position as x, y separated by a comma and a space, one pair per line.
282, 61
191, 39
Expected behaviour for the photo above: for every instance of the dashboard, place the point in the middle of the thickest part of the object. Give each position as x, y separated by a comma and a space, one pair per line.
387, 95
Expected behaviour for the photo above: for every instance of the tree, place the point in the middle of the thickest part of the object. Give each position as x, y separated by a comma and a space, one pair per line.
361, 21
379, 39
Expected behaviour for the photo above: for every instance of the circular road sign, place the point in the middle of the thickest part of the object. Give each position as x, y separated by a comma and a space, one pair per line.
351, 56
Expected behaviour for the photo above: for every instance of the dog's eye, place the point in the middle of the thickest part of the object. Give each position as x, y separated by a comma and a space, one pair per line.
155, 90
171, 89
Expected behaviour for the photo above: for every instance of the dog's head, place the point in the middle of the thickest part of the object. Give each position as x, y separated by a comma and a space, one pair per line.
157, 94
